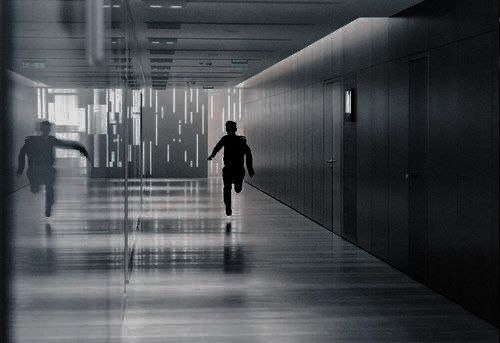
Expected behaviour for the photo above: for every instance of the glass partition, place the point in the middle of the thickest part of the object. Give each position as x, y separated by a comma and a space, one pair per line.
75, 86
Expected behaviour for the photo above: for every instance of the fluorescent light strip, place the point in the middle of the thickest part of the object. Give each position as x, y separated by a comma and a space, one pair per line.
150, 158
185, 106
197, 142
202, 119
156, 130
173, 100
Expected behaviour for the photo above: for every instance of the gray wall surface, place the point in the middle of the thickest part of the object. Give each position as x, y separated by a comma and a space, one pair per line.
283, 114
23, 119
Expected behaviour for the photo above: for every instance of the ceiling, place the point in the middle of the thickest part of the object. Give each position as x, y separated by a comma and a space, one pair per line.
209, 43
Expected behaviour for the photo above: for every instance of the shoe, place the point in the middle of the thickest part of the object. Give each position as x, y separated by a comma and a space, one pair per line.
228, 211
48, 212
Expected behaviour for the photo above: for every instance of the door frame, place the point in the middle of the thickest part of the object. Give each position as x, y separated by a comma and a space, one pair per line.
340, 159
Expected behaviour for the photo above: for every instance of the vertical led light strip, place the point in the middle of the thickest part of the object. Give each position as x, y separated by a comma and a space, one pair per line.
173, 100
150, 158
197, 93
185, 155
44, 103
129, 153
143, 157
39, 103
202, 119
107, 150
190, 94
96, 151
117, 150
197, 150
185, 107
239, 103
156, 101
150, 97
180, 128
156, 130
211, 107
168, 152
222, 119
191, 117
162, 112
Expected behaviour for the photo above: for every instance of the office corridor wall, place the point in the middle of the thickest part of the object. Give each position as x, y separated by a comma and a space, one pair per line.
23, 119
283, 113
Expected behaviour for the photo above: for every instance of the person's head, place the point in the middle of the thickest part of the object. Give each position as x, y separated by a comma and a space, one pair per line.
45, 127
231, 127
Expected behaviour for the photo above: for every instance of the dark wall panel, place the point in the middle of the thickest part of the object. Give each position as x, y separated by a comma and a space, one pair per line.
477, 71
443, 142
372, 56
308, 151
317, 148
379, 160
363, 159
398, 163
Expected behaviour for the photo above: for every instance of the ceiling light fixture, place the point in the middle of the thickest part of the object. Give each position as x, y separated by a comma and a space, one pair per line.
176, 6
155, 6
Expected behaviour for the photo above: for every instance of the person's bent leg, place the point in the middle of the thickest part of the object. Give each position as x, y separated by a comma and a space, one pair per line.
33, 181
49, 199
238, 181
50, 176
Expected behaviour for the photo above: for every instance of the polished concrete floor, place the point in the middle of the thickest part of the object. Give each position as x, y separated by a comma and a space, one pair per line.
266, 275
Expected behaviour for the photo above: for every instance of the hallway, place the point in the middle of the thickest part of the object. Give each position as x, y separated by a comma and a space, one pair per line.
268, 275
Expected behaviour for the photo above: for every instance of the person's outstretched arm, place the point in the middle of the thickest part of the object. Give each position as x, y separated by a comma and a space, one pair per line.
72, 145
217, 148
249, 160
21, 160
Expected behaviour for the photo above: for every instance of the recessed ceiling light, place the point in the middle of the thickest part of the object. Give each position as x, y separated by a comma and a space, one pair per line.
155, 42
116, 6
155, 6
175, 6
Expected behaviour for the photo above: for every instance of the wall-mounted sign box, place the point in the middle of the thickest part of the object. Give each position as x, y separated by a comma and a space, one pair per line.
349, 105
34, 64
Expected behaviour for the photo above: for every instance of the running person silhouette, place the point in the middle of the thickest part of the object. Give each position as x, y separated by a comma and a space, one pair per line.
235, 151
40, 152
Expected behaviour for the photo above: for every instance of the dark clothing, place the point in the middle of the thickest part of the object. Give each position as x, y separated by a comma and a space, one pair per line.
43, 175
230, 176
40, 151
235, 150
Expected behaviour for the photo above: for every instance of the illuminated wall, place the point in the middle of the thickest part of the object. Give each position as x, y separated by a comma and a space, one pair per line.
175, 125
174, 129
225, 104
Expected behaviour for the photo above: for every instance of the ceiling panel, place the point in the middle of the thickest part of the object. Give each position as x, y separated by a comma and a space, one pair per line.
208, 43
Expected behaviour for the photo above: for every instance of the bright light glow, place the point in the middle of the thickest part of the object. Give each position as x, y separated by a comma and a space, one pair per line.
175, 6
155, 6
155, 42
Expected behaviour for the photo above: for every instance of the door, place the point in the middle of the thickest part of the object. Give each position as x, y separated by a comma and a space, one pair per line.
417, 174
333, 155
